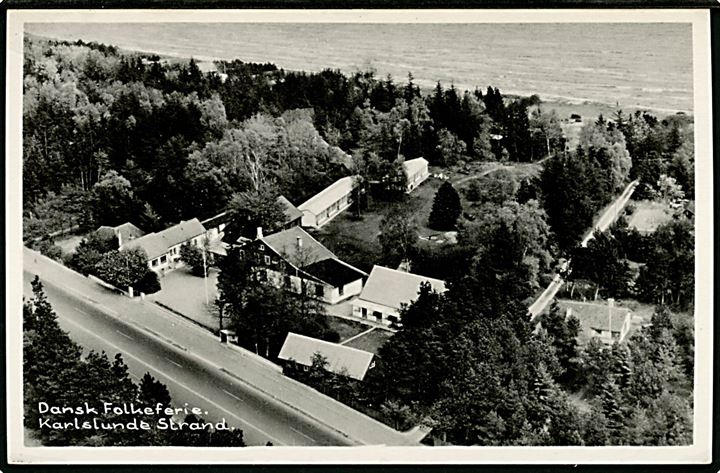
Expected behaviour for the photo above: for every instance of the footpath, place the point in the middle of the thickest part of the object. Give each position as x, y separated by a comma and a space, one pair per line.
237, 362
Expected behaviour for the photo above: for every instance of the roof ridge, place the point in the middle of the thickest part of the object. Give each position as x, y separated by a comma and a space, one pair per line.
407, 273
349, 348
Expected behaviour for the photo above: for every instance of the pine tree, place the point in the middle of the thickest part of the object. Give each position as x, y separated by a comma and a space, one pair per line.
446, 208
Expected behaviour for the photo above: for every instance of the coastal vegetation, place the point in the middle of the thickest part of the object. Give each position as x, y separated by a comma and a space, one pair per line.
111, 137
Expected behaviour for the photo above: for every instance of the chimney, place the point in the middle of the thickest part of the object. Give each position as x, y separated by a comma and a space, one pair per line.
611, 302
299, 242
259, 233
568, 312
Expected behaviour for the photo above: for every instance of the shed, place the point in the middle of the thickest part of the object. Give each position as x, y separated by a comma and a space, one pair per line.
340, 358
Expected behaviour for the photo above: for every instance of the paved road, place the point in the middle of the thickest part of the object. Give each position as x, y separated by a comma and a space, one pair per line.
199, 370
602, 224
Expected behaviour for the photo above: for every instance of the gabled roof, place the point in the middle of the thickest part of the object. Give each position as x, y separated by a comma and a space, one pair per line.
352, 361
392, 288
157, 244
328, 196
127, 231
334, 272
291, 212
413, 166
597, 316
285, 243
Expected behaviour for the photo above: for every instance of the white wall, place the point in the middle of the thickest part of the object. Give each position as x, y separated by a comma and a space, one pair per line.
359, 304
351, 289
331, 294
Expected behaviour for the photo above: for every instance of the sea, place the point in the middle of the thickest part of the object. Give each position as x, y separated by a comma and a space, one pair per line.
633, 65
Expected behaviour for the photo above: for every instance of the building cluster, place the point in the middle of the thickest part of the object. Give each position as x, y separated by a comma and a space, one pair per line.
290, 258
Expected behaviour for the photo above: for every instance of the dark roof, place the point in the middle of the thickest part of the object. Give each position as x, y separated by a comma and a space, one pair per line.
285, 243
334, 272
292, 213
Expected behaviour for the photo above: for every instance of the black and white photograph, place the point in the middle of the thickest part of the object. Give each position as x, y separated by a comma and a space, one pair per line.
434, 235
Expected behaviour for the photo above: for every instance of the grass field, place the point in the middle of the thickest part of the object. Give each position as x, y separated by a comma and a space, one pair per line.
345, 328
371, 341
649, 215
355, 241
69, 243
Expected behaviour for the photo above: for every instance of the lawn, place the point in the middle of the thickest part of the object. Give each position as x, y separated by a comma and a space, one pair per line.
649, 215
371, 341
345, 328
68, 243
355, 240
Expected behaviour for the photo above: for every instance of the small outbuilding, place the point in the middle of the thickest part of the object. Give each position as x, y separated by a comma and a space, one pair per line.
417, 172
606, 322
341, 359
385, 292
122, 233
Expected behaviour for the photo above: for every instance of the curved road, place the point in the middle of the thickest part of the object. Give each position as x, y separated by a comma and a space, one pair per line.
606, 219
248, 392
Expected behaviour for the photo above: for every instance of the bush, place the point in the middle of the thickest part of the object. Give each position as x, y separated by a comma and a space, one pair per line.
149, 283
192, 256
49, 249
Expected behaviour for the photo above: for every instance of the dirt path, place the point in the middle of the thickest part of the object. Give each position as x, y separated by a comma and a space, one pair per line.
465, 179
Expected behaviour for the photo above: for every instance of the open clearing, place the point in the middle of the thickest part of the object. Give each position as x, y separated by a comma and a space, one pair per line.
371, 341
345, 328
649, 215
355, 240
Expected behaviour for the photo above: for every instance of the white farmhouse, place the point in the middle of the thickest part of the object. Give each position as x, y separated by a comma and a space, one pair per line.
163, 248
386, 290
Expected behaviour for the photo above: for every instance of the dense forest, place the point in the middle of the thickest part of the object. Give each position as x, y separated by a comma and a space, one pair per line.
111, 137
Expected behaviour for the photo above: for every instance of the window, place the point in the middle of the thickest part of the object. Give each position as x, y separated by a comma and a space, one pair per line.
267, 259
287, 281
392, 319
154, 262
163, 259
377, 315
341, 290
319, 290
364, 312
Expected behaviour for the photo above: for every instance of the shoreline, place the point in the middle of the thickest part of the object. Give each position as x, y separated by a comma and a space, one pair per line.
566, 105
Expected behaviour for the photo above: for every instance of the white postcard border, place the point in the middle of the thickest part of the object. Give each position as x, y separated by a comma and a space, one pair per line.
699, 452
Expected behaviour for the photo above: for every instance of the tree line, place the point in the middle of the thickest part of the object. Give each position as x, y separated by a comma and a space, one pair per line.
110, 136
